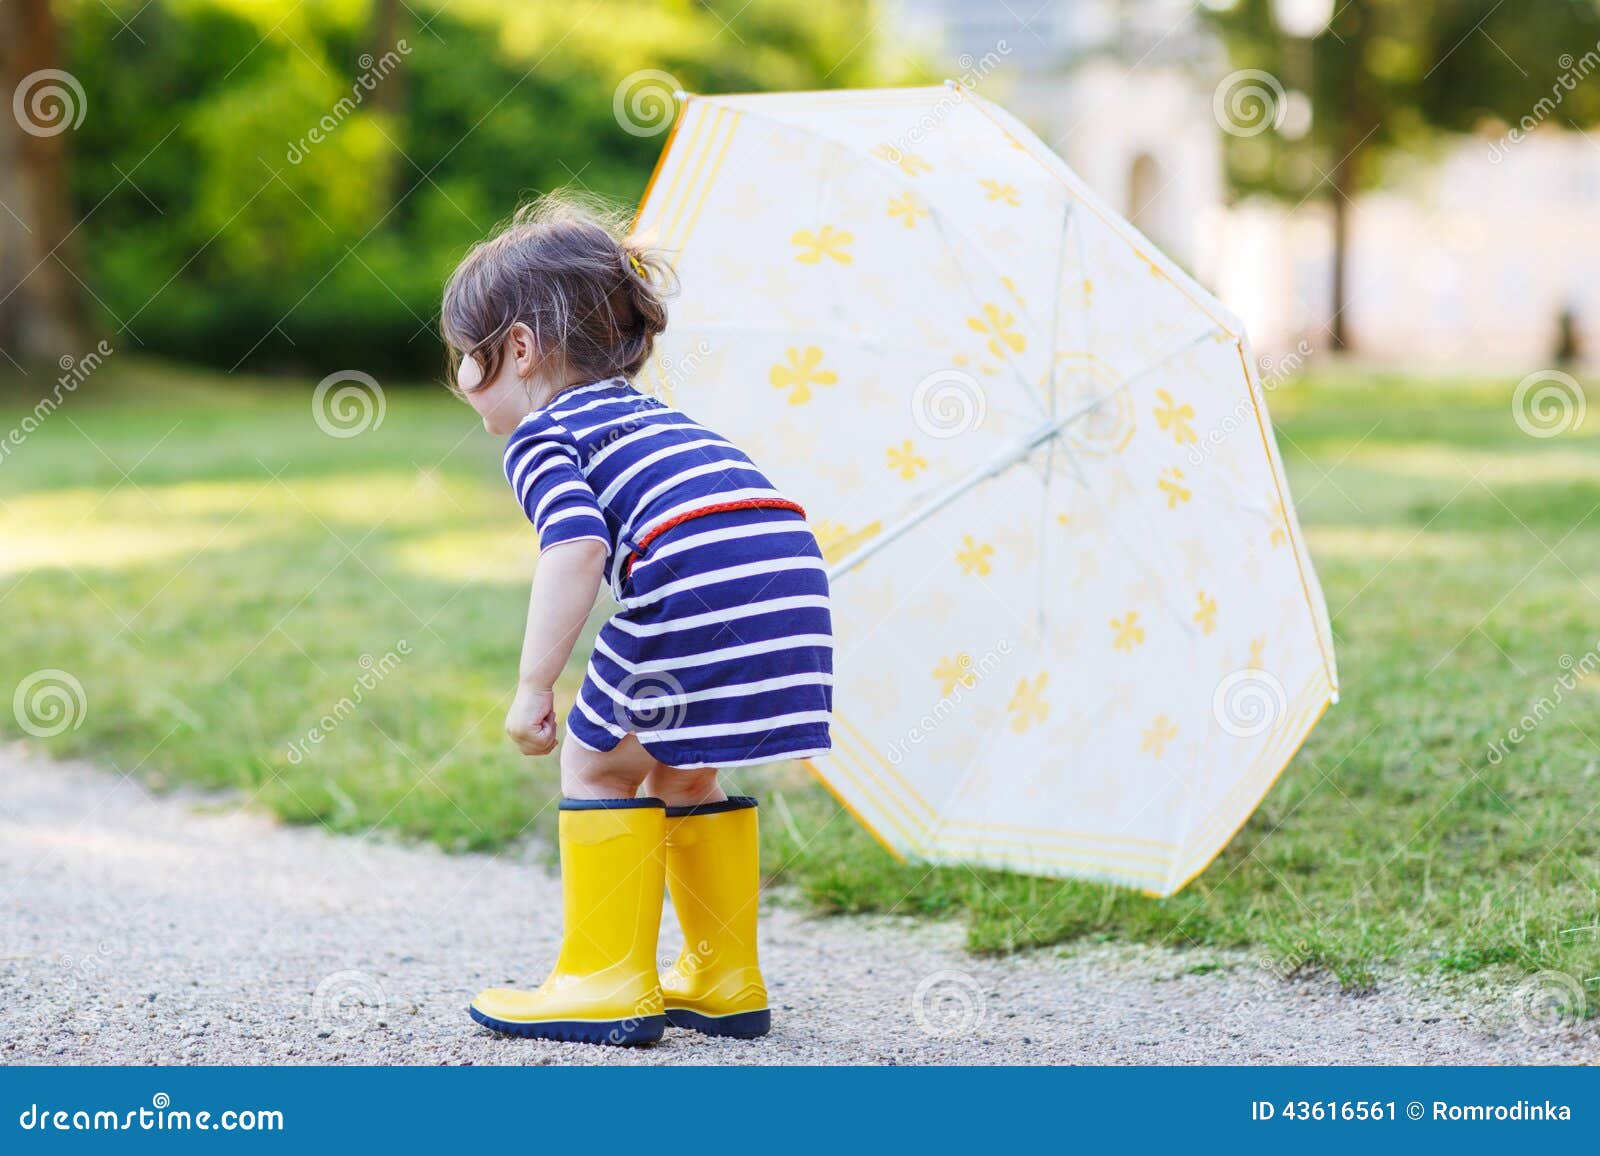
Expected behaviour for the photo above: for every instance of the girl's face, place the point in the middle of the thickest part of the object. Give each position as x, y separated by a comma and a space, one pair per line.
515, 389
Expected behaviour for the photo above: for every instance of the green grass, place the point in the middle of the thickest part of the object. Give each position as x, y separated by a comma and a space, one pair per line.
212, 568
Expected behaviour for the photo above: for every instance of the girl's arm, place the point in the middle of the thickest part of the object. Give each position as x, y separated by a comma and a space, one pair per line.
563, 593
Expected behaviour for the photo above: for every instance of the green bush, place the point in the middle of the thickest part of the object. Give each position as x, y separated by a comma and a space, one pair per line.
223, 224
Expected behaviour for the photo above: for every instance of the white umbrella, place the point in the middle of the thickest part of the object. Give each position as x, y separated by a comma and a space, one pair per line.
1078, 632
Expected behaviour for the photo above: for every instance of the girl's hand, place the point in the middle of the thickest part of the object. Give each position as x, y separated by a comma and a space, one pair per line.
531, 721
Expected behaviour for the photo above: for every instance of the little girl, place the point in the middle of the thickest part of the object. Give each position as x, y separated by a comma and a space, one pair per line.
720, 655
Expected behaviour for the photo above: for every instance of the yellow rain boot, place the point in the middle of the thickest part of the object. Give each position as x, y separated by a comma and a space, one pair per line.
714, 876
603, 989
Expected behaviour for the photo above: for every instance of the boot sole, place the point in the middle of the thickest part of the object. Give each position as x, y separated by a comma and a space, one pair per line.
616, 1033
739, 1025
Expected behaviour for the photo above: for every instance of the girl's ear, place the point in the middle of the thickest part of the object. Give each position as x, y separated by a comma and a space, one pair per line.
524, 353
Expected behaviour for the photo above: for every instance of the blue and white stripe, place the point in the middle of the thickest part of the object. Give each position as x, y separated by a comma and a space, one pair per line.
722, 651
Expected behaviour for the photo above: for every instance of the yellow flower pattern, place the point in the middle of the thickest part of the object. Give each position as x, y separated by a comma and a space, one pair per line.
1161, 732
1171, 483
998, 325
836, 540
803, 371
974, 556
1028, 706
1126, 632
1280, 525
1206, 616
1001, 192
907, 209
825, 242
953, 672
905, 461
1175, 418
909, 163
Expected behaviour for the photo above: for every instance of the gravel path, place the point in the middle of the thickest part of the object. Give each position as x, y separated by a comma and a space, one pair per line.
136, 929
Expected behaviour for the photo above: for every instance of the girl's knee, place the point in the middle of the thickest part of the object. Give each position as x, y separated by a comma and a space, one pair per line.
679, 788
591, 783
587, 774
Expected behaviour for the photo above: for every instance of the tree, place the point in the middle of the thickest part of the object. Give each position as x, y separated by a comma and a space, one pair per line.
281, 185
41, 313
1387, 76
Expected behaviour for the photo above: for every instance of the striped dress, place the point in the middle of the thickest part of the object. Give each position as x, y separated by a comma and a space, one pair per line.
721, 653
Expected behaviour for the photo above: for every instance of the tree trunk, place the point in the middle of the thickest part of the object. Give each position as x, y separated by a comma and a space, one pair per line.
13, 242
1338, 329
391, 20
41, 316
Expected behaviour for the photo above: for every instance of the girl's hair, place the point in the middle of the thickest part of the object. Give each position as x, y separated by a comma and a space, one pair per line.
594, 298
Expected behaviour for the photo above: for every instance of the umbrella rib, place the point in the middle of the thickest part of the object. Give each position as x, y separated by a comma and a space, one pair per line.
983, 473
939, 221
1001, 462
1067, 218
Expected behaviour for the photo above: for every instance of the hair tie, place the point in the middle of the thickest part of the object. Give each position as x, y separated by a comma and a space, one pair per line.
638, 266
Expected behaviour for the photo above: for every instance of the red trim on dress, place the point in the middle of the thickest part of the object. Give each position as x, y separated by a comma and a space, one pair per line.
715, 508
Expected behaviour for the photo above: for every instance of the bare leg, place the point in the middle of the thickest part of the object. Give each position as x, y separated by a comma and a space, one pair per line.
613, 774
683, 788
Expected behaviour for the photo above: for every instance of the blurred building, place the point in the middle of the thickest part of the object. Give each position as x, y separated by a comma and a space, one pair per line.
1121, 90
1470, 260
